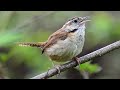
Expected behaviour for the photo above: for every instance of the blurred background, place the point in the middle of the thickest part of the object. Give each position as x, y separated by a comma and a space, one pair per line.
35, 26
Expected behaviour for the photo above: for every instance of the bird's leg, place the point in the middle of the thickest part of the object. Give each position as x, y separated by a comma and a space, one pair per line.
77, 60
55, 66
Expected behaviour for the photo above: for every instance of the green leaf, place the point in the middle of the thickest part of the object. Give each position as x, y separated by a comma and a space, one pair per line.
8, 37
102, 23
3, 57
91, 68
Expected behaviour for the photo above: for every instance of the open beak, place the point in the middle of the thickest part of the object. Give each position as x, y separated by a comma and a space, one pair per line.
85, 19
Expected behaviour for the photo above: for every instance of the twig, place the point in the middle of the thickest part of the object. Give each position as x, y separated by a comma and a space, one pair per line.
82, 59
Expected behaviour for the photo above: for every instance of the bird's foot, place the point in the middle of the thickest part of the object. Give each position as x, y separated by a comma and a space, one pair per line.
58, 70
77, 60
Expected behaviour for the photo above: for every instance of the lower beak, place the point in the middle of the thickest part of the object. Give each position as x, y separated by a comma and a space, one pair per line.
85, 19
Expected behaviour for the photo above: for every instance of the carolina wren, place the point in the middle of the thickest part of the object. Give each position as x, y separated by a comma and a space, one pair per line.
66, 43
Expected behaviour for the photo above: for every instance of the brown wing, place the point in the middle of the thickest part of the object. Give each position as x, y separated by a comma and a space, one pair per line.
58, 35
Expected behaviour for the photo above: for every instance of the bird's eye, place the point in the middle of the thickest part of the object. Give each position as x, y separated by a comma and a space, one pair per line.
75, 21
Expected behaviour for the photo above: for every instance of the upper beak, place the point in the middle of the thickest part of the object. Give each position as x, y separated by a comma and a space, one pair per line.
85, 19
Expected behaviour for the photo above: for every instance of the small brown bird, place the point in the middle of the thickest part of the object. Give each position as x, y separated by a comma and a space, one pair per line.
66, 43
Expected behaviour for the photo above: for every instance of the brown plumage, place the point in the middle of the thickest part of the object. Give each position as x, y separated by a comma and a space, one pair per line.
32, 44
65, 43
58, 35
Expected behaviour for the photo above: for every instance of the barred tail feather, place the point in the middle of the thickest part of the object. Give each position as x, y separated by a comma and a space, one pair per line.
26, 44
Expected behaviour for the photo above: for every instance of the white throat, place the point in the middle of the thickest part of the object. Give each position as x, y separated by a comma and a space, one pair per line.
81, 30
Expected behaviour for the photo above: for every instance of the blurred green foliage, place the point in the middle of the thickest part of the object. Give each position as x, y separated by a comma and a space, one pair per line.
36, 26
91, 68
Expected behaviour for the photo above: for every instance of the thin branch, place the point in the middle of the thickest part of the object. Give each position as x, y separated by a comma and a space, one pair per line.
82, 59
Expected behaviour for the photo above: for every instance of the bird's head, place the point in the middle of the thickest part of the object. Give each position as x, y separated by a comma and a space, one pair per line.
75, 23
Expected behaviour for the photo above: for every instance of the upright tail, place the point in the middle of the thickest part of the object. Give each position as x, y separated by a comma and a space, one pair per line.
26, 44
